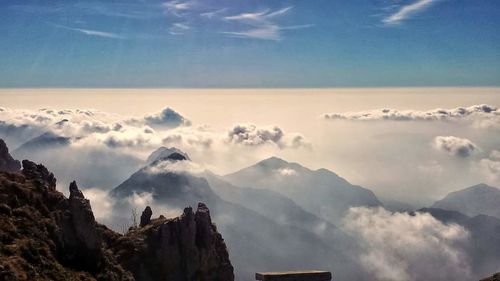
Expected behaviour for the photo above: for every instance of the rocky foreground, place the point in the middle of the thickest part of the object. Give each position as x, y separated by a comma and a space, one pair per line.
46, 236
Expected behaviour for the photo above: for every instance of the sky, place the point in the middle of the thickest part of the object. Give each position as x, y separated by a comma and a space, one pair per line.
249, 43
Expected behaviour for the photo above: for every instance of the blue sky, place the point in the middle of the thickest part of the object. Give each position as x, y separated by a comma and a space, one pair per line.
249, 43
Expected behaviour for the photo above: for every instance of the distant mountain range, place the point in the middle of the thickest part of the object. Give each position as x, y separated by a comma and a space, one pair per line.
278, 215
473, 201
264, 229
320, 192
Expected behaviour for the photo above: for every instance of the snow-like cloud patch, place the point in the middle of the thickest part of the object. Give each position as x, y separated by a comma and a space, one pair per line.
286, 172
400, 246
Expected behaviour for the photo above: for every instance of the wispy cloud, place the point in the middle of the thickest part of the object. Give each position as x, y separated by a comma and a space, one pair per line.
177, 8
406, 11
258, 17
179, 28
262, 25
266, 32
96, 33
213, 14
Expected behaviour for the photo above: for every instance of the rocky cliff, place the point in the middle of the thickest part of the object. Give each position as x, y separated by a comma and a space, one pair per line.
494, 277
46, 236
7, 163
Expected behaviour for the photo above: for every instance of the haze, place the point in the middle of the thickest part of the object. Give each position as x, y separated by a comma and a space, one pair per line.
398, 162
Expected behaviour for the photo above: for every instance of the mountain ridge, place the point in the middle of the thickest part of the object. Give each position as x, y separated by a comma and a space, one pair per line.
474, 200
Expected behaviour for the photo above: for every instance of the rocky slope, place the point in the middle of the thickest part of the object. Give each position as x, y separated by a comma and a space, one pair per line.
494, 277
7, 163
46, 236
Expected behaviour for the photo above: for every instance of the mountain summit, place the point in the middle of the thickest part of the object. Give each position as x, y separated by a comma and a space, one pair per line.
7, 163
321, 192
473, 201
167, 153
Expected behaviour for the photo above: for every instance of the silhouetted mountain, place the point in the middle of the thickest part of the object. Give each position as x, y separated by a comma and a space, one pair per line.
256, 241
472, 201
45, 141
164, 152
484, 242
46, 236
270, 204
320, 192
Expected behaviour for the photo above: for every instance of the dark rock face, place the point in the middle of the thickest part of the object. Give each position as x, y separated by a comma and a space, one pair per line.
184, 248
495, 277
146, 216
79, 236
39, 174
7, 163
46, 236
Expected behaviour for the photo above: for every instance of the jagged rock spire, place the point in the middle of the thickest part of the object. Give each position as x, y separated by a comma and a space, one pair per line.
146, 216
7, 163
39, 174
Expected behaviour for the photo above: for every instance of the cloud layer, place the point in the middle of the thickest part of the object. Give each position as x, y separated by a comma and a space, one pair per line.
482, 116
400, 247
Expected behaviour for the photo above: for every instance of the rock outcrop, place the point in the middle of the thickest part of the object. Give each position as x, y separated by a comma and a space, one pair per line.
46, 236
146, 216
184, 248
7, 163
494, 277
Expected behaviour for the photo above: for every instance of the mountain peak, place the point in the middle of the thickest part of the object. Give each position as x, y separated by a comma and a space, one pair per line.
7, 163
481, 187
472, 201
273, 163
164, 153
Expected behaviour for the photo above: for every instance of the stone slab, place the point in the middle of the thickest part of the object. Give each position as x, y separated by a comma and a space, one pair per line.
308, 275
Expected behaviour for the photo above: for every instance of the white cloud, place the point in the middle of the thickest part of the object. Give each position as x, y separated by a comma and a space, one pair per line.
267, 32
262, 25
252, 135
455, 146
179, 28
95, 33
98, 33
213, 14
167, 166
407, 11
92, 128
286, 172
400, 246
480, 116
490, 167
177, 8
